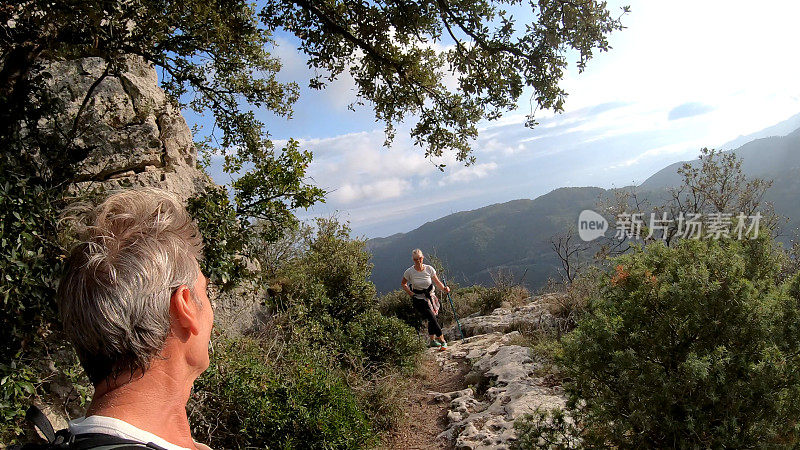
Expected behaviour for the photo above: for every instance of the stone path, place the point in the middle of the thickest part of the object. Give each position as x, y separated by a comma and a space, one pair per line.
534, 314
501, 386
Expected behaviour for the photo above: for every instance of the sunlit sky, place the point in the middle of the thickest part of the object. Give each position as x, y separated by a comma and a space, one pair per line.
682, 75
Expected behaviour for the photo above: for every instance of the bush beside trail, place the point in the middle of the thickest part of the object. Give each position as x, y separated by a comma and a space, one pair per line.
34, 359
252, 398
314, 375
470, 300
694, 345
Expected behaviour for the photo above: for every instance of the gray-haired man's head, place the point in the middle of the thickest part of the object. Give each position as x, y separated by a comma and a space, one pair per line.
134, 250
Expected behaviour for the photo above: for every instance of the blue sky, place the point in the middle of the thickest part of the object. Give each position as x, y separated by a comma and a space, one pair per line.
682, 76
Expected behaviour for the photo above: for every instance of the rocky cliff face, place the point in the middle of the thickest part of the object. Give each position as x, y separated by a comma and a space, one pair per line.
133, 135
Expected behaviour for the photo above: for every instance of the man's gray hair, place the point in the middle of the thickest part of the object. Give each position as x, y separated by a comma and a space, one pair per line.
416, 253
134, 250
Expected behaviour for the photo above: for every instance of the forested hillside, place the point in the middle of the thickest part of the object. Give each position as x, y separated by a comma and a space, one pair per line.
513, 235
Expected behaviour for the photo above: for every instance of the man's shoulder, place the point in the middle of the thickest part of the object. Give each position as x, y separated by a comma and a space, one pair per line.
429, 269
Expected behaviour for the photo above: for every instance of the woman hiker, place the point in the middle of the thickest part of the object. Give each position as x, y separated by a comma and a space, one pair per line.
418, 283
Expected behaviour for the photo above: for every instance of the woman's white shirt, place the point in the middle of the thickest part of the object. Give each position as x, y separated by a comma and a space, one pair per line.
420, 280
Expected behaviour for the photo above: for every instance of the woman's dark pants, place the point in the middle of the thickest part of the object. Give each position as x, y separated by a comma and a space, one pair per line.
421, 305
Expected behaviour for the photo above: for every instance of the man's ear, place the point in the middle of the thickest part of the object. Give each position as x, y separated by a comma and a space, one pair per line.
183, 310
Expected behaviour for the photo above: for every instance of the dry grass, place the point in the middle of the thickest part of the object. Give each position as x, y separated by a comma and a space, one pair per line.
384, 396
568, 303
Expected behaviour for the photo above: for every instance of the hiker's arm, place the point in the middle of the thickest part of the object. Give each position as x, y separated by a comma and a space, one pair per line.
404, 285
440, 284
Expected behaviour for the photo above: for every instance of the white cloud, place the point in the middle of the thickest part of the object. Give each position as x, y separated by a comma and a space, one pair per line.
506, 120
373, 191
497, 145
372, 213
470, 173
720, 49
356, 167
681, 148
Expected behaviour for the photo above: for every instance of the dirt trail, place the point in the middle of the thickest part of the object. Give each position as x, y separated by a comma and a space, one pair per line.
425, 418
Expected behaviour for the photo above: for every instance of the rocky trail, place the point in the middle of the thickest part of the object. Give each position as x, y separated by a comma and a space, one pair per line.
469, 396
426, 419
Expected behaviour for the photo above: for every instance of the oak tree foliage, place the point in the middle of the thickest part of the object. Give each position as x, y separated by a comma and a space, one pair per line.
447, 64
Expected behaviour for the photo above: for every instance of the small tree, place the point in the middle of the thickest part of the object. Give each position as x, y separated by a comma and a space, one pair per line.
718, 184
570, 254
341, 264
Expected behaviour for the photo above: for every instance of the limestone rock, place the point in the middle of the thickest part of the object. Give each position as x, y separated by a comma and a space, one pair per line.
506, 319
132, 134
482, 417
239, 310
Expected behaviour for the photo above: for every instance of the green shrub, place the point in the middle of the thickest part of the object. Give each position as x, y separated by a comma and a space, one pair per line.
341, 264
248, 398
17, 389
370, 341
483, 300
398, 304
467, 301
327, 301
303, 295
693, 345
489, 299
384, 397
323, 303
224, 237
547, 429
30, 260
31, 378
385, 340
330, 278
568, 303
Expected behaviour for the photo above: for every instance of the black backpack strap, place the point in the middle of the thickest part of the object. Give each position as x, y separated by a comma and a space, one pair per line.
63, 439
427, 291
41, 422
100, 441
